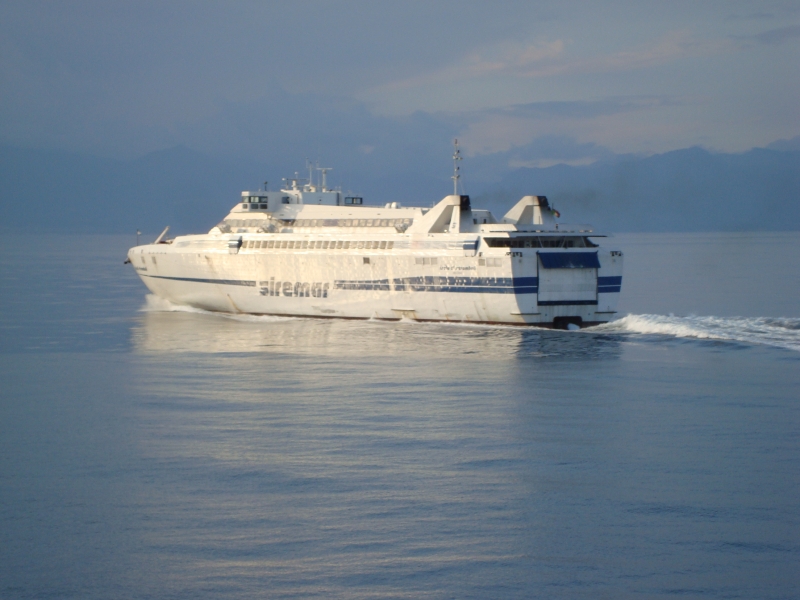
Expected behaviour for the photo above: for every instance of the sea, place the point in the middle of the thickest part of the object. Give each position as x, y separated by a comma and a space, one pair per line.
153, 451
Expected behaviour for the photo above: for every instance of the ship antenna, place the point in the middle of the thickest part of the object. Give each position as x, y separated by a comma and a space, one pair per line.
456, 168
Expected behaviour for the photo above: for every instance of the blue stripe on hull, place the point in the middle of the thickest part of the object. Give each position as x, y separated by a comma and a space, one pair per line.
381, 285
609, 281
477, 285
463, 285
567, 302
243, 282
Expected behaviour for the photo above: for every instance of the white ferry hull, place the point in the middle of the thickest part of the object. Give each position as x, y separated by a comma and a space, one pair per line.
484, 285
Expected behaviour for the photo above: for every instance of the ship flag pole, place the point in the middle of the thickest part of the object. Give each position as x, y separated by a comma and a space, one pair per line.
456, 168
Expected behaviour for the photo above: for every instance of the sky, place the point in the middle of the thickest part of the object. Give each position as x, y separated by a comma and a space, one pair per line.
534, 83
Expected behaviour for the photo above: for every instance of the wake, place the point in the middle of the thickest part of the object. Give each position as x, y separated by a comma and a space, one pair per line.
769, 331
156, 304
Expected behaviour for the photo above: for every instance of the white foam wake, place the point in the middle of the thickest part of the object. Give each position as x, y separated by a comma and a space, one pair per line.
155, 303
779, 332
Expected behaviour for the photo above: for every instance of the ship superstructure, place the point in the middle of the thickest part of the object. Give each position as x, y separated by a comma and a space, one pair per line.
310, 251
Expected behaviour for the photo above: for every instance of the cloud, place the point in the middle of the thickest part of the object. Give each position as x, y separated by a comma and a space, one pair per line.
777, 36
552, 58
499, 59
672, 46
500, 129
541, 152
584, 109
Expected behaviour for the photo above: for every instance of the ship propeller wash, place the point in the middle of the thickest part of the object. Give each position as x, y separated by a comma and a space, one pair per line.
310, 251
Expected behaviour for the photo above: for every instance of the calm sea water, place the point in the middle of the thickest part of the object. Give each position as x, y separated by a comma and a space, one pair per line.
153, 452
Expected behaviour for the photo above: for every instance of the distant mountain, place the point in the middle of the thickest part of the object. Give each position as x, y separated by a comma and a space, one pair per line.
685, 190
62, 192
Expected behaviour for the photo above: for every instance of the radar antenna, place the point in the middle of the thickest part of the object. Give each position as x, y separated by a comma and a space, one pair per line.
456, 169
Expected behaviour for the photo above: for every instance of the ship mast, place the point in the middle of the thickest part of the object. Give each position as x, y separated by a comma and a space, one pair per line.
456, 175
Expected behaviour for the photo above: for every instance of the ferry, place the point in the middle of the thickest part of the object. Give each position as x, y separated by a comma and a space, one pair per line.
310, 251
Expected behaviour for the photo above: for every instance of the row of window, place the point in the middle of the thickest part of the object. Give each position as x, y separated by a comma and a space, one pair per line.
351, 222
425, 260
490, 262
244, 222
323, 222
541, 242
318, 244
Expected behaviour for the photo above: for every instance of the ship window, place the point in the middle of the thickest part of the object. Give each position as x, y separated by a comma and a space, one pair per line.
474, 221
390, 245
346, 245
285, 200
271, 244
353, 200
366, 260
420, 260
481, 262
305, 244
383, 245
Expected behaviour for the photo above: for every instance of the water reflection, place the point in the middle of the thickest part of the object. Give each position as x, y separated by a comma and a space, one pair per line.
176, 332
